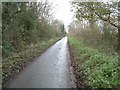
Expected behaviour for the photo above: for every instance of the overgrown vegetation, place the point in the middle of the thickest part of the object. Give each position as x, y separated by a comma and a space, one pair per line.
26, 23
94, 39
16, 62
28, 28
105, 42
96, 19
100, 70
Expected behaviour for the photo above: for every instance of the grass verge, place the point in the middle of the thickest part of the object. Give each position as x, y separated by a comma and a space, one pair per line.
93, 68
17, 62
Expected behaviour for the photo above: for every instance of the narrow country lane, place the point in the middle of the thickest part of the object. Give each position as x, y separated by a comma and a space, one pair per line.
50, 70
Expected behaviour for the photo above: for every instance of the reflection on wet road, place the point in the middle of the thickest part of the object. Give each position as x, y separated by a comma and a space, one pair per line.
50, 70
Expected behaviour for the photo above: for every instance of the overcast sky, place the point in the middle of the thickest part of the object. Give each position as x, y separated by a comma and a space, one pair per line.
62, 11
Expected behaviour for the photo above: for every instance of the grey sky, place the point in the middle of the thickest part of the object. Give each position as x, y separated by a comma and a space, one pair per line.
62, 11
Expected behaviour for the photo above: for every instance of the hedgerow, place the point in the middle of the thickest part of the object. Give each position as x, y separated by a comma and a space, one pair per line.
16, 62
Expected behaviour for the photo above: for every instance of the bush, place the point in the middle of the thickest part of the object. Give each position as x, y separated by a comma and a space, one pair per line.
104, 41
16, 62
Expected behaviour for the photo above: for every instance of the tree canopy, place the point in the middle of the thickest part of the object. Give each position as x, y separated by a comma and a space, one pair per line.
25, 23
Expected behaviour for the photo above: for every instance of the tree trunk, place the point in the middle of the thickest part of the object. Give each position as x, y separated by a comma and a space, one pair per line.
119, 32
119, 40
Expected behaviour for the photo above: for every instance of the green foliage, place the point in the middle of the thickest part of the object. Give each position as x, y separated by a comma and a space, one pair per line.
26, 23
102, 14
101, 71
16, 62
27, 29
7, 49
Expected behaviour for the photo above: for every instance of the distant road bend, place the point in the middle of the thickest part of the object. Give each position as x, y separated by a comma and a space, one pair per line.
50, 70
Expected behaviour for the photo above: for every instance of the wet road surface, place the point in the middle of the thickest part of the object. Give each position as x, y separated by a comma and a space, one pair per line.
50, 70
